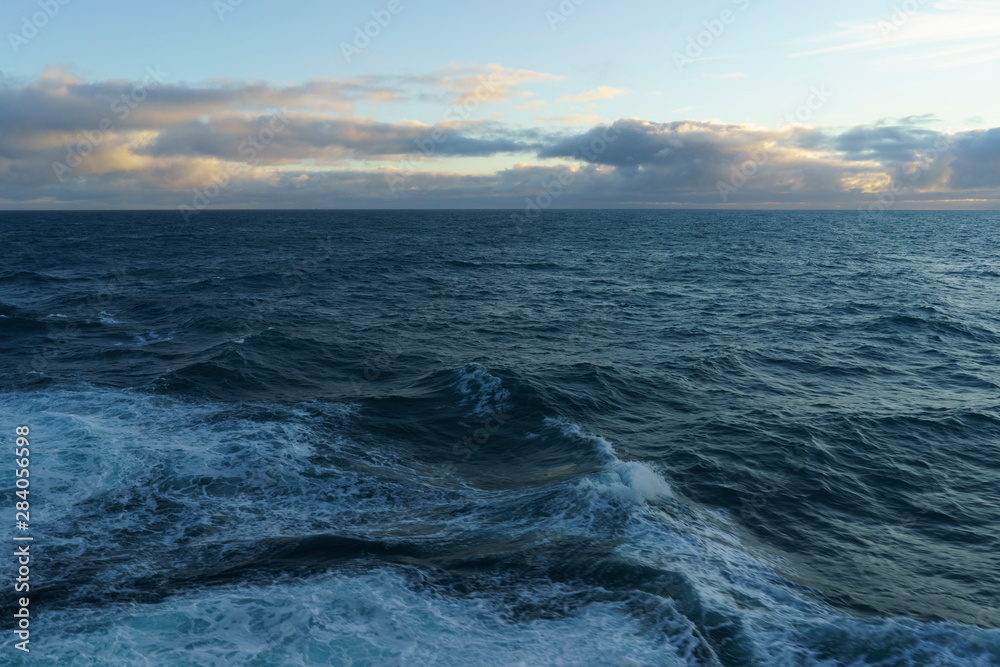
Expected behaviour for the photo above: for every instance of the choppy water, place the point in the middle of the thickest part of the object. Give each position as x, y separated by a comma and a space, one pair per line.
427, 438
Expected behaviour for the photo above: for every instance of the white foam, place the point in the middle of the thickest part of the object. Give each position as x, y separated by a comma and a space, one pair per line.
644, 481
108, 318
374, 618
152, 337
125, 468
570, 430
484, 390
114, 459
634, 480
665, 533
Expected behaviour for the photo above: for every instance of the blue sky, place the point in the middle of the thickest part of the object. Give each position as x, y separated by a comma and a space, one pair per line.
780, 91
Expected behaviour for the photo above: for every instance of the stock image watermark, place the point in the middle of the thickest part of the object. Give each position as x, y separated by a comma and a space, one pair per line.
223, 7
748, 163
459, 111
901, 15
93, 307
32, 25
291, 281
562, 13
698, 44
251, 149
363, 35
323, 251
22, 548
887, 199
472, 442
122, 107
554, 187
374, 367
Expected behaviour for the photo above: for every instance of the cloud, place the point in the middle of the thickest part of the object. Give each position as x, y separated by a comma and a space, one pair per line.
533, 104
490, 83
304, 145
572, 119
311, 137
977, 160
730, 75
689, 159
601, 93
60, 127
938, 35
889, 144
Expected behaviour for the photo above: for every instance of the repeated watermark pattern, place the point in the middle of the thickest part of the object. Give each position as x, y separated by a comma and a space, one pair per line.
555, 186
698, 44
291, 281
562, 13
32, 25
363, 35
459, 111
121, 108
223, 7
472, 442
251, 149
94, 307
901, 15
888, 198
747, 164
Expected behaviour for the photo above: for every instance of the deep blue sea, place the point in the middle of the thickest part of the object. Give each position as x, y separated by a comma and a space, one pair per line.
609, 438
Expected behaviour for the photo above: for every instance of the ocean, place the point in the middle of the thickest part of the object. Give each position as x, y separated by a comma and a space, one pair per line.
365, 438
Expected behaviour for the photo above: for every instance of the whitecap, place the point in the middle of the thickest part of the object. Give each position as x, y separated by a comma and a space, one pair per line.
151, 338
484, 390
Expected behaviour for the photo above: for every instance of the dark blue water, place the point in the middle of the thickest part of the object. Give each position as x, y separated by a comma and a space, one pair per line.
428, 438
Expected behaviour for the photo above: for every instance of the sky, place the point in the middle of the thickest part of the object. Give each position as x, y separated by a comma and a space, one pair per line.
203, 104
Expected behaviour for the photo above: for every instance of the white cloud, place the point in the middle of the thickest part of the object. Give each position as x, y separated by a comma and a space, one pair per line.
601, 93
572, 119
925, 29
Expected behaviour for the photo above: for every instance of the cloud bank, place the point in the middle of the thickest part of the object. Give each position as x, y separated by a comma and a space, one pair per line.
65, 142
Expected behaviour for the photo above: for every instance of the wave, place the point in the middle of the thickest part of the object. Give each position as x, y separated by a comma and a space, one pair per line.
298, 521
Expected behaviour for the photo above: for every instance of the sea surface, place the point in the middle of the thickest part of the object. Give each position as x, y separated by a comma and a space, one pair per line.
610, 438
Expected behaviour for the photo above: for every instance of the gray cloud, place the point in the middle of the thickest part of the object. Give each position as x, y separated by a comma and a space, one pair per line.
179, 139
308, 137
895, 143
977, 160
